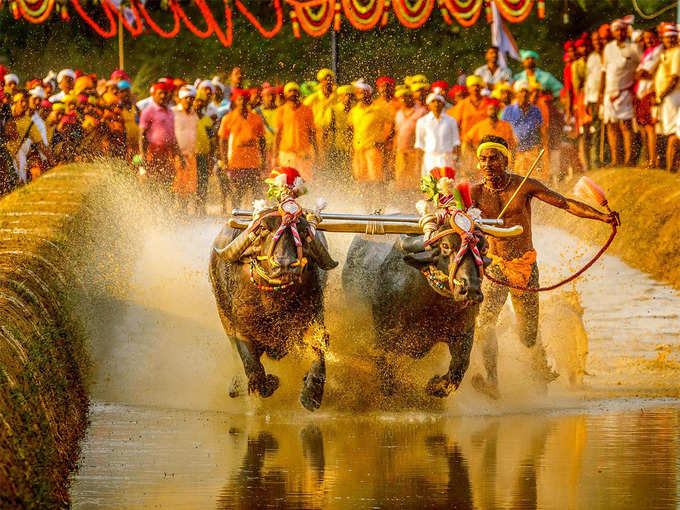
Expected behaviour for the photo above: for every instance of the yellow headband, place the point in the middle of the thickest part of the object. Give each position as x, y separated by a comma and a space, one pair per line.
493, 145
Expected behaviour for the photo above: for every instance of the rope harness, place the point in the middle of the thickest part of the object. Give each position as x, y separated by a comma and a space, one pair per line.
469, 239
290, 212
566, 280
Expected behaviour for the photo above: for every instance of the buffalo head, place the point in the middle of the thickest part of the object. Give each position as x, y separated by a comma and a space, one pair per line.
451, 271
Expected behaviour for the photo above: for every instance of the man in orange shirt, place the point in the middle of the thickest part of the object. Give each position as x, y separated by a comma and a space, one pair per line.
372, 127
469, 112
242, 149
492, 125
295, 140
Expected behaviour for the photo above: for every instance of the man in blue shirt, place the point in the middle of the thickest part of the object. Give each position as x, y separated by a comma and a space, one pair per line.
547, 80
526, 121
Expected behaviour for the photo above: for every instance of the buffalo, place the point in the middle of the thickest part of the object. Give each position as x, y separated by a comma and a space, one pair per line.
268, 282
421, 293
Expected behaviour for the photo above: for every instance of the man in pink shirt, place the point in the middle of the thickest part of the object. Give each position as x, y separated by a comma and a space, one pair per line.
157, 142
407, 158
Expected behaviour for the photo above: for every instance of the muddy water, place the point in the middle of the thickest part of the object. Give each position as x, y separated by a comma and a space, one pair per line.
165, 435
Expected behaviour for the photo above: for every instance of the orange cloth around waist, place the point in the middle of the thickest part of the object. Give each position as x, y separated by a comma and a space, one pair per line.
517, 271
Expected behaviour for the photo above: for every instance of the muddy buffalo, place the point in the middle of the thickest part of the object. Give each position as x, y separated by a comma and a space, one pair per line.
268, 282
420, 295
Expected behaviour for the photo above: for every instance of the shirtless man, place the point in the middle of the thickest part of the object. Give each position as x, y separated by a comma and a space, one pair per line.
514, 258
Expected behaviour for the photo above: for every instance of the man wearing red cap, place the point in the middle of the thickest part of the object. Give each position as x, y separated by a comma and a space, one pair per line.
667, 85
242, 149
621, 58
492, 72
157, 142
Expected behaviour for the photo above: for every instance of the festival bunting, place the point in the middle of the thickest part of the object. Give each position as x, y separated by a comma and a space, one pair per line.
314, 17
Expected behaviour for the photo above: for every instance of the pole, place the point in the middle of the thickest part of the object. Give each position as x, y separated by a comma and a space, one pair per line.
334, 53
121, 56
677, 16
533, 167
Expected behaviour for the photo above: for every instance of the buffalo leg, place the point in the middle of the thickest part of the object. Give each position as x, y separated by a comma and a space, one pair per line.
459, 348
313, 382
258, 380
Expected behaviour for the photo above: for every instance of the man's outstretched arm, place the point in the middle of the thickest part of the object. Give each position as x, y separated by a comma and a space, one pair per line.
543, 193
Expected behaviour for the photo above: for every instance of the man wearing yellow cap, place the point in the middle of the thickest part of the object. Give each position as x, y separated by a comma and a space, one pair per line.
295, 142
420, 92
320, 102
514, 258
372, 127
338, 133
469, 112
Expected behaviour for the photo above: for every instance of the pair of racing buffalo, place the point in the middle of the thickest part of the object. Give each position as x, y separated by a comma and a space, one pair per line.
269, 284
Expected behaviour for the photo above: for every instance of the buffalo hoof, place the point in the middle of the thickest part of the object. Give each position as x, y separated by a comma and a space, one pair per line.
482, 386
440, 386
265, 387
312, 391
237, 388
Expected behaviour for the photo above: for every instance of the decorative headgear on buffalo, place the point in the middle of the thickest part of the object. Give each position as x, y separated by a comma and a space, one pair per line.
439, 187
285, 181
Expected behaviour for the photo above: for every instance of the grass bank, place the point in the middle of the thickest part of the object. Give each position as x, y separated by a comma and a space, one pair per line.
47, 230
648, 202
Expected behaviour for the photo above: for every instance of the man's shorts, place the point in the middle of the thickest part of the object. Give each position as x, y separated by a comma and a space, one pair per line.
619, 109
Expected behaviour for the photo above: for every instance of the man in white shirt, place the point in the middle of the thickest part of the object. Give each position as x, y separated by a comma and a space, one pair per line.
621, 58
592, 91
35, 96
437, 136
66, 80
493, 73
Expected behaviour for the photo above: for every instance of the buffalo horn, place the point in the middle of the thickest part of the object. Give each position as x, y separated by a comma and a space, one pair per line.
513, 231
233, 251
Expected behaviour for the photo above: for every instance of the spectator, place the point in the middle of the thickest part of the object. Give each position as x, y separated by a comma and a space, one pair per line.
295, 141
526, 121
529, 62
621, 57
492, 73
667, 85
437, 136
407, 165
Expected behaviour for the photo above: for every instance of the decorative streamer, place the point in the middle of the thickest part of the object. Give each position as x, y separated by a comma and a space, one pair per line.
466, 12
413, 14
314, 16
363, 14
266, 33
113, 28
515, 11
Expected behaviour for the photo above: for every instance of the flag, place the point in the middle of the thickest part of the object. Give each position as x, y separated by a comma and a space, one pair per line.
128, 14
502, 38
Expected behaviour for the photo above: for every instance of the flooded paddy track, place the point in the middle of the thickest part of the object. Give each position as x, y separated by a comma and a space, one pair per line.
164, 433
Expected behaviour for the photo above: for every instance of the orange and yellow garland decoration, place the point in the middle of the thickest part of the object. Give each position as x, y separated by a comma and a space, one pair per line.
314, 17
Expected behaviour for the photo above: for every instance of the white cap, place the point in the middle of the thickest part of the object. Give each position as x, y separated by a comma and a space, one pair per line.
520, 85
206, 83
216, 81
187, 91
50, 76
11, 78
362, 85
66, 72
37, 92
435, 97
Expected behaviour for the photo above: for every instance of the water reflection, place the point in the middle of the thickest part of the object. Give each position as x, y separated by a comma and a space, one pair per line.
604, 460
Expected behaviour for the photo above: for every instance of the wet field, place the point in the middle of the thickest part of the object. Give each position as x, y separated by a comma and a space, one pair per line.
164, 433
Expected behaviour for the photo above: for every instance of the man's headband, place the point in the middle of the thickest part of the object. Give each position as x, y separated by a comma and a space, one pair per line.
493, 145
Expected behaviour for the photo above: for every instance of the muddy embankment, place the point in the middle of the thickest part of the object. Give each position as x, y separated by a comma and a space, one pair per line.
48, 233
649, 204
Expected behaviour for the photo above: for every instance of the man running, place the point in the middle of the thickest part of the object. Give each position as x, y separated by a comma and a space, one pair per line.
514, 258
